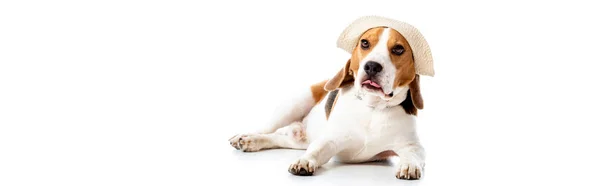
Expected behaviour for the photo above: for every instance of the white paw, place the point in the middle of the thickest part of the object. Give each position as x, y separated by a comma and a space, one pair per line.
409, 171
303, 167
246, 142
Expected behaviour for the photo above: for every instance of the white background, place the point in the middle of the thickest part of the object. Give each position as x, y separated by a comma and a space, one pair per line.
149, 92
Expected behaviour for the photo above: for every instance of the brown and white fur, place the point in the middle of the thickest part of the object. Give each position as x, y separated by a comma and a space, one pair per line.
350, 118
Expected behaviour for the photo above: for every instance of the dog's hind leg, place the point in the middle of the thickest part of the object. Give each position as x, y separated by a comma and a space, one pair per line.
296, 108
292, 136
289, 112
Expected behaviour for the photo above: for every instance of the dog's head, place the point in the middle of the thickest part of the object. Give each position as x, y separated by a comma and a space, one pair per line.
382, 64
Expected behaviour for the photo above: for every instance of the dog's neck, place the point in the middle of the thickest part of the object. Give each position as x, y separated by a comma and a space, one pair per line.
377, 102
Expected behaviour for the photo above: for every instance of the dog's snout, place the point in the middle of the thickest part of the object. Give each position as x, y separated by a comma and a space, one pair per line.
372, 68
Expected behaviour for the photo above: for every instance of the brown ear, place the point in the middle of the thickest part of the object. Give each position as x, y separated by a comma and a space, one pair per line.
413, 101
342, 78
415, 92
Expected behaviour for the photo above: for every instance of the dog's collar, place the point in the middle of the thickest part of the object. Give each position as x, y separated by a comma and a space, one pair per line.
359, 95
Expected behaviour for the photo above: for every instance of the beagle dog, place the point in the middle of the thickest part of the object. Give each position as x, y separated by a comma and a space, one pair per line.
366, 112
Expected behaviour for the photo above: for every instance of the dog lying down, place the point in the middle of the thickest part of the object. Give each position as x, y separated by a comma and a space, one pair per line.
366, 112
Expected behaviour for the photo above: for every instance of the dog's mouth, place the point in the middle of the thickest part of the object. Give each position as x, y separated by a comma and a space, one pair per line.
372, 85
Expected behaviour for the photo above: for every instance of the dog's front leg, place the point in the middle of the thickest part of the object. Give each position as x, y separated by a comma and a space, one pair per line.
411, 161
318, 153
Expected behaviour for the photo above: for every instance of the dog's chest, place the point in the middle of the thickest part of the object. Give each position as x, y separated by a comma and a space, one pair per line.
371, 123
379, 123
374, 131
384, 128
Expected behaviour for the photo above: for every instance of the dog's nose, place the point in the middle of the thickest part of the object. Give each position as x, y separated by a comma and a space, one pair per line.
372, 68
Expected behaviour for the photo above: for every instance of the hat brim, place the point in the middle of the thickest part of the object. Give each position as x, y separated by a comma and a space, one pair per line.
422, 54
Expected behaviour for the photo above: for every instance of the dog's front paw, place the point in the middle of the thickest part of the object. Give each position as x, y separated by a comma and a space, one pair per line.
303, 167
246, 142
409, 171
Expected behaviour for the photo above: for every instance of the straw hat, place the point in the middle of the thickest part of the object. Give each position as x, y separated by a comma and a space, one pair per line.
421, 52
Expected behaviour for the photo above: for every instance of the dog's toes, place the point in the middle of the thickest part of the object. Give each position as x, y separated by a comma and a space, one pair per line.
409, 171
302, 167
248, 142
235, 141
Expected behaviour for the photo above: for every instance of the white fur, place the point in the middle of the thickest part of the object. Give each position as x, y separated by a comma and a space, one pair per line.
293, 109
356, 131
359, 127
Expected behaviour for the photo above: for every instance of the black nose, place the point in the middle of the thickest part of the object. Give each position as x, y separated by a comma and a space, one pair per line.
372, 68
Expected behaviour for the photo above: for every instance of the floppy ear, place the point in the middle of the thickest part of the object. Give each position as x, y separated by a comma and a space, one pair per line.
342, 78
415, 92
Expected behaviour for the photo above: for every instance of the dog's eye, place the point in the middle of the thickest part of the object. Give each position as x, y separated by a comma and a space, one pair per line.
398, 49
364, 44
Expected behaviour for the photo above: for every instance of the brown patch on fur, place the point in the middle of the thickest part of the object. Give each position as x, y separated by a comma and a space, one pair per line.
318, 91
404, 63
